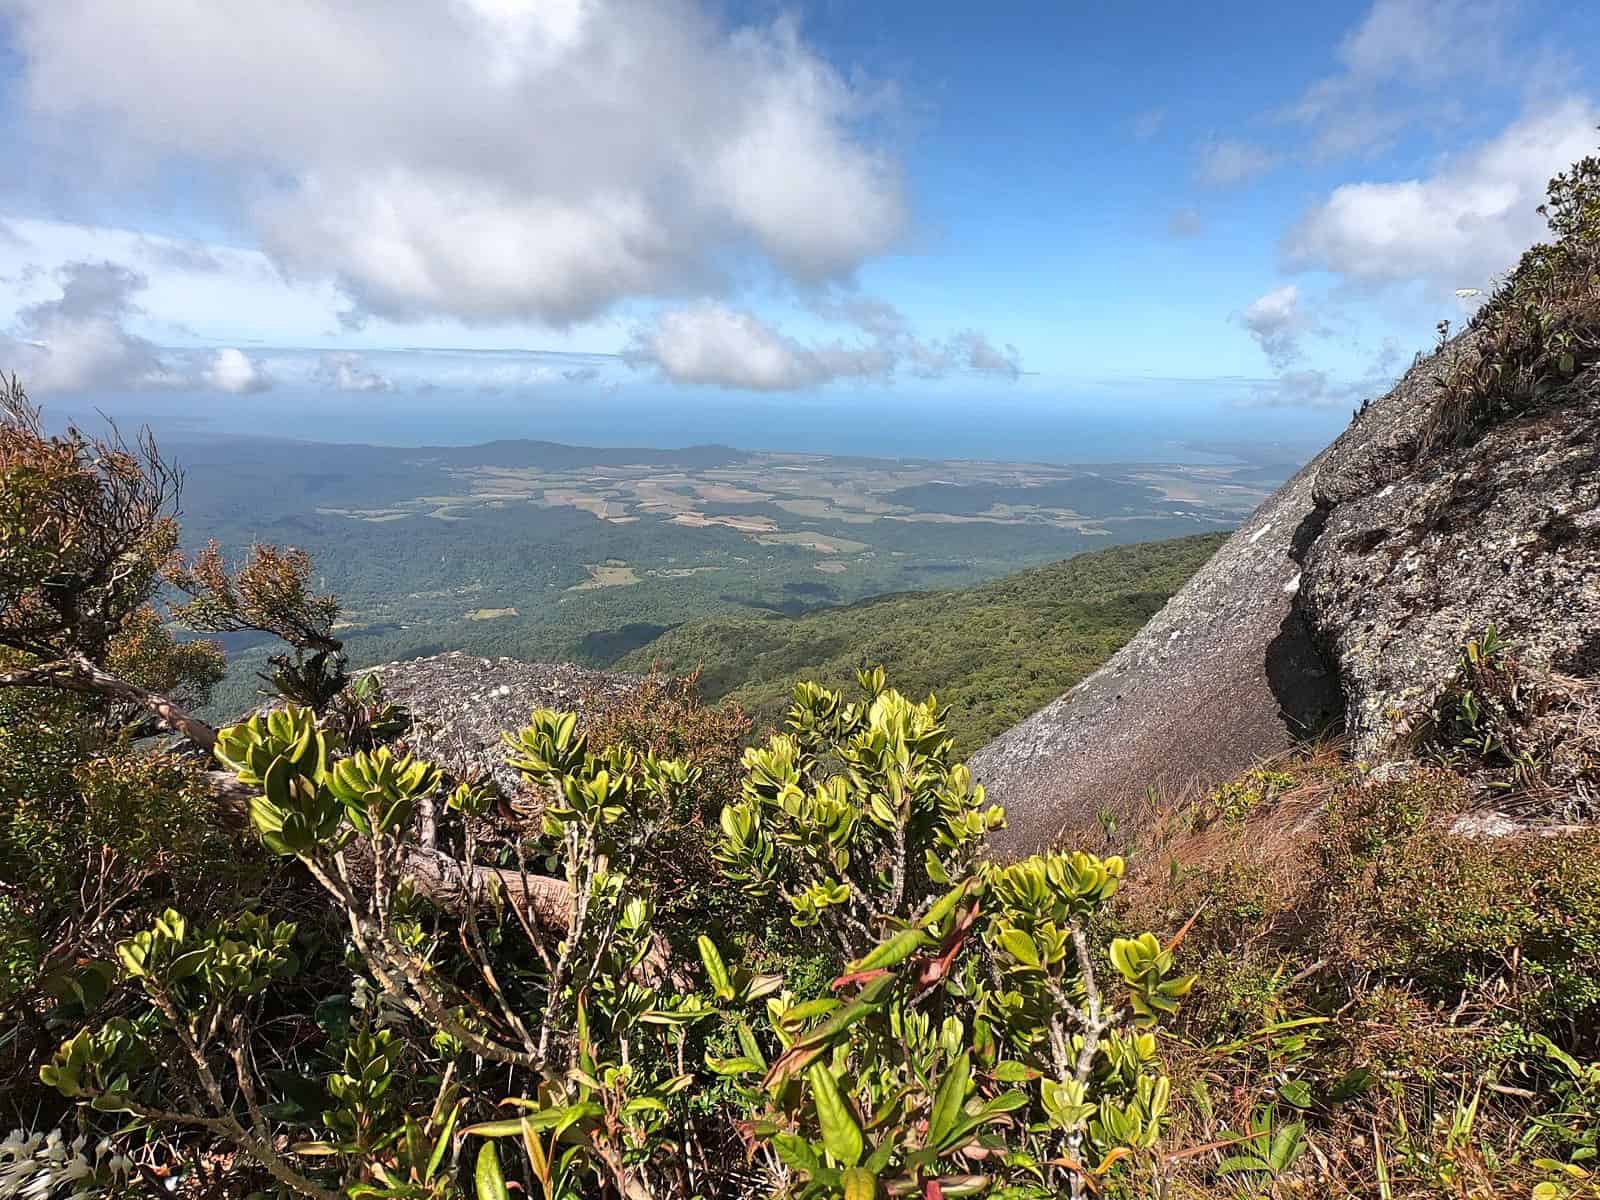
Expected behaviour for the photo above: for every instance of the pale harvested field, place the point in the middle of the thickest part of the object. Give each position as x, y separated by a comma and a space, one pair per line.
607, 575
821, 543
744, 524
722, 493
490, 614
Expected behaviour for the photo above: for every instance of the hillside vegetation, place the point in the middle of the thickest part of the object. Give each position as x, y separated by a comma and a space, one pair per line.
661, 963
994, 653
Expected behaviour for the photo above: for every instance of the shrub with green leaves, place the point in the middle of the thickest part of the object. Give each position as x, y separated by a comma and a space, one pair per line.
983, 1046
1539, 329
978, 1039
856, 813
93, 830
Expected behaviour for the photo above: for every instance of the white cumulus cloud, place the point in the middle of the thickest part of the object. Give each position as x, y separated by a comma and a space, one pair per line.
232, 370
710, 343
80, 340
1276, 322
348, 372
487, 160
1458, 227
713, 344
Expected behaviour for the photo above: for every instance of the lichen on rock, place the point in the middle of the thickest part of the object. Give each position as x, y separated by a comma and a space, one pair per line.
1417, 557
460, 704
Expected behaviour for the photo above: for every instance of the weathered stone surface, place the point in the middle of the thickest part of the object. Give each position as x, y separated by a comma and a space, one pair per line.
1411, 563
1382, 441
1221, 675
460, 704
1353, 587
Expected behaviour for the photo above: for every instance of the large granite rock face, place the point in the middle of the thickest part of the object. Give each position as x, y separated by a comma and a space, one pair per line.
1221, 675
1353, 587
1416, 558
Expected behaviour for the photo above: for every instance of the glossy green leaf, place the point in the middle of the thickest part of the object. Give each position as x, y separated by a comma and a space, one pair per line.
491, 1184
892, 952
716, 970
948, 1101
841, 1134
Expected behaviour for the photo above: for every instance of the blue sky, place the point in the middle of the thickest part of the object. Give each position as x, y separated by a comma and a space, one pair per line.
1255, 208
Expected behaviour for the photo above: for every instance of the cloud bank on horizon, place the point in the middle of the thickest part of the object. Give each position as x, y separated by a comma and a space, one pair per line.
233, 196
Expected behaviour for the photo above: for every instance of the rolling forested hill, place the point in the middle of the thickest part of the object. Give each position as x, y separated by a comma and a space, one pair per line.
996, 652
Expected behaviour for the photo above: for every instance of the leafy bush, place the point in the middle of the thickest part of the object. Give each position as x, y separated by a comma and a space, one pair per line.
664, 717
89, 830
1234, 799
856, 813
979, 1038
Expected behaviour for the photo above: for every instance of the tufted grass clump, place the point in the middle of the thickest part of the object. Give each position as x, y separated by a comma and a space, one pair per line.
1398, 990
1539, 329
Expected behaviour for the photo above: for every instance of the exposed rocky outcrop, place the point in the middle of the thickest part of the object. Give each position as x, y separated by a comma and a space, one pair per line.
1352, 588
1416, 557
460, 705
1222, 674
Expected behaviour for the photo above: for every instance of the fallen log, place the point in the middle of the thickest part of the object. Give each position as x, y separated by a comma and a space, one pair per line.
440, 877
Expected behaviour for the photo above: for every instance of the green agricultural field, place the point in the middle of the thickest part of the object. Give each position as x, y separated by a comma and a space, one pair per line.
540, 551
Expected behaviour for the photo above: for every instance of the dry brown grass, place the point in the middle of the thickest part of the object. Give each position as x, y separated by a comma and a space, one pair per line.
1347, 943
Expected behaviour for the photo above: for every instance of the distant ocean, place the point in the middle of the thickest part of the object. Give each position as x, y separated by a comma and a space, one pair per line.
885, 423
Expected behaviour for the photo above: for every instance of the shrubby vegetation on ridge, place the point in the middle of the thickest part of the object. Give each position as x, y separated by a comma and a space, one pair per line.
672, 965
638, 1051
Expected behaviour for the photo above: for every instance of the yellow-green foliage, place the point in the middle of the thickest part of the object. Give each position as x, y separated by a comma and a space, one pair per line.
856, 813
1233, 801
978, 1039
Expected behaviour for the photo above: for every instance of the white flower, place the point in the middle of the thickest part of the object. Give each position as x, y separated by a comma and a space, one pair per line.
35, 1167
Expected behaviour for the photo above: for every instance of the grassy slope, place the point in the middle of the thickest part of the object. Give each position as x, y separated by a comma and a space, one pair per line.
997, 652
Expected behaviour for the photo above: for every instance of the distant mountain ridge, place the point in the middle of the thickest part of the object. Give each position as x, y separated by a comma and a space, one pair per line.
527, 452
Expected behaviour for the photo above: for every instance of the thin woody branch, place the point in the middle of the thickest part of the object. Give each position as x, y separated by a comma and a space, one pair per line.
77, 673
